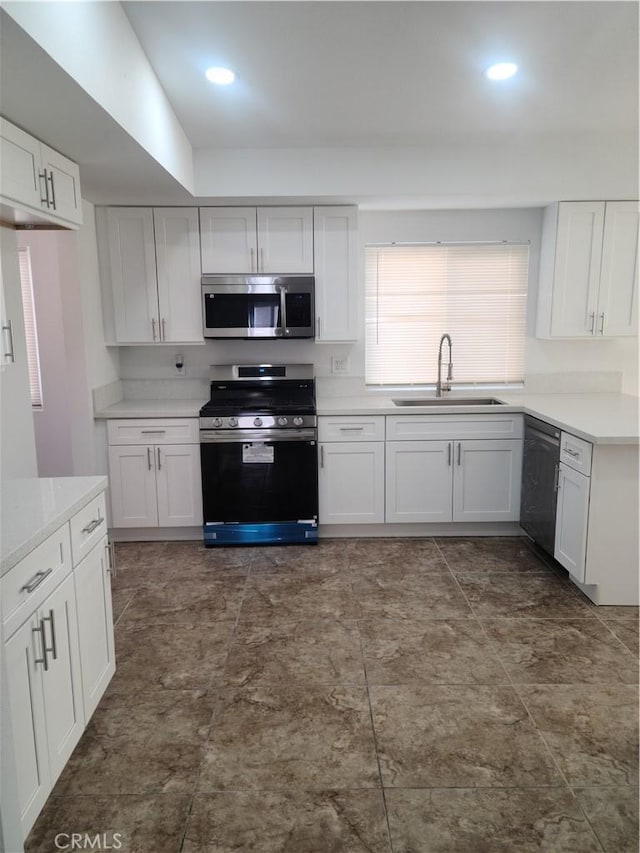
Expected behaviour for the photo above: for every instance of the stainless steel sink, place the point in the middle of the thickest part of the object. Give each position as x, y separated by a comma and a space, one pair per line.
449, 401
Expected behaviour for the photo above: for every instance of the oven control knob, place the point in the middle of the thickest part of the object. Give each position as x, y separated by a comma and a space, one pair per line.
217, 422
233, 422
257, 421
282, 421
297, 420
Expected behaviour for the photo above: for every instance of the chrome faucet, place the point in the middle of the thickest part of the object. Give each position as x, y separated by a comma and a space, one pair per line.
440, 385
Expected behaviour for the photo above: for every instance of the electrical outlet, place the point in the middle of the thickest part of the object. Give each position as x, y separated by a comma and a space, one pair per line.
340, 365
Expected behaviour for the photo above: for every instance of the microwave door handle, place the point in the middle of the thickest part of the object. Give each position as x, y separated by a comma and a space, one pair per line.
283, 309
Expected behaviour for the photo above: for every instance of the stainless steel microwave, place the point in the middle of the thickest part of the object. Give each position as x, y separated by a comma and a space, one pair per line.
258, 306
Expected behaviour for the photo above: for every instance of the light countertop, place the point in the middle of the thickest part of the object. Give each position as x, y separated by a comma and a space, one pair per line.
189, 408
600, 418
34, 508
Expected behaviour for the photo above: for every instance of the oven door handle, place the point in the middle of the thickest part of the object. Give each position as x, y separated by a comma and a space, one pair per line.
248, 436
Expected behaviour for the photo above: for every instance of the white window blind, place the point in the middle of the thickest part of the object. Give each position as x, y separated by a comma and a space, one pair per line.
30, 329
475, 292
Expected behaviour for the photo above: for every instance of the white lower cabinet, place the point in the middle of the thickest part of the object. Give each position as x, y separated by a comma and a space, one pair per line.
44, 682
572, 519
439, 481
155, 484
351, 482
95, 624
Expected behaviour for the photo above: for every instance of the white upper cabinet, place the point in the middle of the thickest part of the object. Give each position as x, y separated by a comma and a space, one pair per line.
285, 239
150, 262
335, 249
249, 240
178, 269
588, 270
38, 181
228, 236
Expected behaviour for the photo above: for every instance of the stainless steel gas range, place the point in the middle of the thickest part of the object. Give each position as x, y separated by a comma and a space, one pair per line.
259, 455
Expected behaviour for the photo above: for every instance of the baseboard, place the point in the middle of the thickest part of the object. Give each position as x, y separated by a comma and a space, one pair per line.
347, 531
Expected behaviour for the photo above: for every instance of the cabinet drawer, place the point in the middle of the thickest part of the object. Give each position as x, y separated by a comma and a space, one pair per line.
154, 431
443, 427
351, 428
88, 526
41, 571
576, 453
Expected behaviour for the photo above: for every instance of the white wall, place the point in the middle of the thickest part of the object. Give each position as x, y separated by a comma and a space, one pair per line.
95, 44
17, 441
541, 357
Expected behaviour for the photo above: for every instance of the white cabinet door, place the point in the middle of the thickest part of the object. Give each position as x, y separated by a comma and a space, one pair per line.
486, 480
20, 168
95, 625
577, 268
285, 239
419, 481
132, 480
351, 482
228, 240
64, 714
133, 274
26, 701
178, 265
179, 485
572, 517
618, 299
63, 178
335, 250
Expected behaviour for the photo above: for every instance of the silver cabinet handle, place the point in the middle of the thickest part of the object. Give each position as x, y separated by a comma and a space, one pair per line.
35, 581
11, 352
593, 322
251, 253
96, 522
459, 452
43, 660
261, 260
152, 431
318, 324
556, 481
42, 176
322, 455
601, 329
149, 458
111, 558
54, 647
163, 323
153, 328
571, 452
351, 429
158, 452
449, 455
53, 191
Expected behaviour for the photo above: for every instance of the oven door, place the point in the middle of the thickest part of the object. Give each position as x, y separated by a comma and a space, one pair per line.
259, 477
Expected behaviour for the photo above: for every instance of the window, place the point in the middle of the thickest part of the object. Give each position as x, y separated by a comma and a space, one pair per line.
30, 329
475, 292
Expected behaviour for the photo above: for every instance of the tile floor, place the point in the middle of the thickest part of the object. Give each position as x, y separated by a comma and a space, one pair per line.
390, 696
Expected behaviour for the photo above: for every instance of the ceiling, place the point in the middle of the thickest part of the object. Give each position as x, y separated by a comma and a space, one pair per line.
345, 76
391, 73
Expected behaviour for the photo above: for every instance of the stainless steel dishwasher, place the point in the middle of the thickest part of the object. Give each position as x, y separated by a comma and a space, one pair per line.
540, 467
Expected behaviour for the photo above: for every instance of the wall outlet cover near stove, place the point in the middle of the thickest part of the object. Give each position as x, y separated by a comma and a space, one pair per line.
340, 365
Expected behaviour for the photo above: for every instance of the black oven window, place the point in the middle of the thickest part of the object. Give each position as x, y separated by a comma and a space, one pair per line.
242, 311
298, 310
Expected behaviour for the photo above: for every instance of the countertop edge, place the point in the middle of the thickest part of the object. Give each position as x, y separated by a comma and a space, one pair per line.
14, 557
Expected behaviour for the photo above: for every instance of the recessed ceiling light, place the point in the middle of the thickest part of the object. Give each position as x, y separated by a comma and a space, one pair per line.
501, 71
221, 76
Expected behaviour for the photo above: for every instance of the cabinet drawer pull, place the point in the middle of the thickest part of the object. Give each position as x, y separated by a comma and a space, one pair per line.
318, 322
251, 252
571, 452
449, 455
111, 558
93, 524
153, 328
459, 452
322, 455
43, 660
53, 191
556, 481
351, 429
10, 353
163, 323
149, 458
592, 327
42, 176
261, 260
601, 329
159, 464
35, 581
153, 431
54, 649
